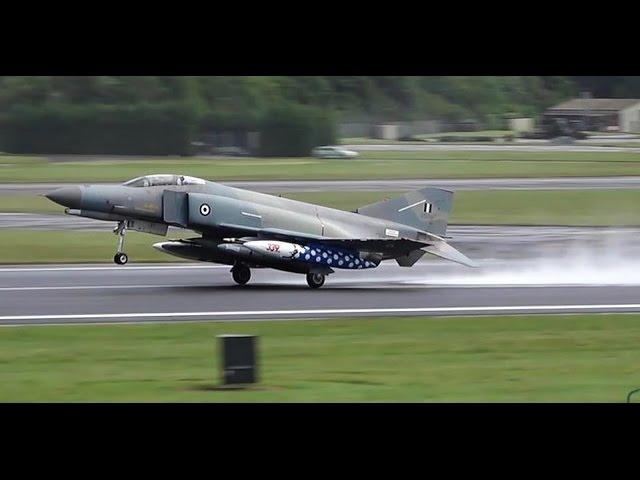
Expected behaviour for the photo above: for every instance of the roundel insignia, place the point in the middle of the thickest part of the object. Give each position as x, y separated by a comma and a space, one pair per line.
205, 209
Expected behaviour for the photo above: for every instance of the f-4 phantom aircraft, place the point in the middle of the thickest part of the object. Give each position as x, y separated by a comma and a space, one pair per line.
248, 230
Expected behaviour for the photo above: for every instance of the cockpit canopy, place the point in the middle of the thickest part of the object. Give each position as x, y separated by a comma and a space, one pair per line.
163, 180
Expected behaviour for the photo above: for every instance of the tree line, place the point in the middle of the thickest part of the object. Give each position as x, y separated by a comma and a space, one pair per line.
162, 115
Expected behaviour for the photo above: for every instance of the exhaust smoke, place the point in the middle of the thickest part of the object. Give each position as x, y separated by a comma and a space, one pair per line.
605, 258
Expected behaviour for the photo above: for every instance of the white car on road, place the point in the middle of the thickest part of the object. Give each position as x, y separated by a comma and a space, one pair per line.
333, 152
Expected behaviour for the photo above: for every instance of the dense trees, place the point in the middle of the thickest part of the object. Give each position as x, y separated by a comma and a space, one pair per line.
610, 86
144, 129
293, 130
113, 114
401, 97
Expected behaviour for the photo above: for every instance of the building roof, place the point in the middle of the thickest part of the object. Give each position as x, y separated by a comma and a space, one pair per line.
596, 104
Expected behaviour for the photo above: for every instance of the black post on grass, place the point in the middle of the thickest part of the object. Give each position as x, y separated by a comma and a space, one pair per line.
631, 393
239, 359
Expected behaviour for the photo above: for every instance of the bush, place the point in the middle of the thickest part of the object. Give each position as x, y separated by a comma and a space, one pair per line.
156, 129
293, 131
161, 129
215, 121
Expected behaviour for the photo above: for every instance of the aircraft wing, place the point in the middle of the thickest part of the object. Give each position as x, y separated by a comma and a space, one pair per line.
371, 244
436, 246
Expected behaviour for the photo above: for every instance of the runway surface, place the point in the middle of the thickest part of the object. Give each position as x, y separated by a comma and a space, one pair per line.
196, 292
554, 183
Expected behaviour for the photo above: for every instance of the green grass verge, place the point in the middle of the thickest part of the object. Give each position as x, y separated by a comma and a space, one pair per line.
9, 160
371, 165
474, 359
28, 204
37, 246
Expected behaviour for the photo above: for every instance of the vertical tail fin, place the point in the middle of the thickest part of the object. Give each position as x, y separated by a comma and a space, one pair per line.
426, 209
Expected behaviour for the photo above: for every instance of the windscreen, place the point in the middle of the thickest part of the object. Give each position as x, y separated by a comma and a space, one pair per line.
163, 180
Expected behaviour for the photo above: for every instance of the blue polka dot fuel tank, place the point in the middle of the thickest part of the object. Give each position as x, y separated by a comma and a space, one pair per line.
334, 258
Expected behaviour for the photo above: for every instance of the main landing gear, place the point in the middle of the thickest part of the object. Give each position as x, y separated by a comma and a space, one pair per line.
241, 274
120, 258
315, 280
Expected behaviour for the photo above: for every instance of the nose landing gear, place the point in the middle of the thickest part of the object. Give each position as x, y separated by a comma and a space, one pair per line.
120, 258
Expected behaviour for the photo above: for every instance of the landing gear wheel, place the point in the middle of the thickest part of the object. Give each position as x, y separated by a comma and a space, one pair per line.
120, 258
241, 274
315, 280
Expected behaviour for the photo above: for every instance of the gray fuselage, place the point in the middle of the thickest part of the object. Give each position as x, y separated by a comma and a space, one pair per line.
234, 206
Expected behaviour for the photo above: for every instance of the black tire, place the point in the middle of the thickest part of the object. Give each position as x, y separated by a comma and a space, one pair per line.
241, 274
120, 258
315, 280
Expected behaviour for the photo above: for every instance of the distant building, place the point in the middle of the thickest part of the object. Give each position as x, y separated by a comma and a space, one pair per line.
598, 114
521, 124
389, 131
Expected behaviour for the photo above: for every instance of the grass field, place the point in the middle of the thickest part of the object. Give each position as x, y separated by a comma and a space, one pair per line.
10, 160
37, 246
28, 204
370, 165
474, 359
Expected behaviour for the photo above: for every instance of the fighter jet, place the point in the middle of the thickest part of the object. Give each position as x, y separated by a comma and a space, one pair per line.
246, 229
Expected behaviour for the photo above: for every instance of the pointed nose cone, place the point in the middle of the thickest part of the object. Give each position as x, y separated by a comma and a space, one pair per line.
70, 197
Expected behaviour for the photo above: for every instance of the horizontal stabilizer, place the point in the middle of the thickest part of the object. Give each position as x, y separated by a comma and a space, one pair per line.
446, 251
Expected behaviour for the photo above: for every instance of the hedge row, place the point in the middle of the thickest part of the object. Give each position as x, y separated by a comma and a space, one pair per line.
293, 131
99, 129
165, 129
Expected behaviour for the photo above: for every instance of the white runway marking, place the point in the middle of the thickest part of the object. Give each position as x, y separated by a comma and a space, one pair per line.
97, 287
321, 312
122, 269
346, 283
